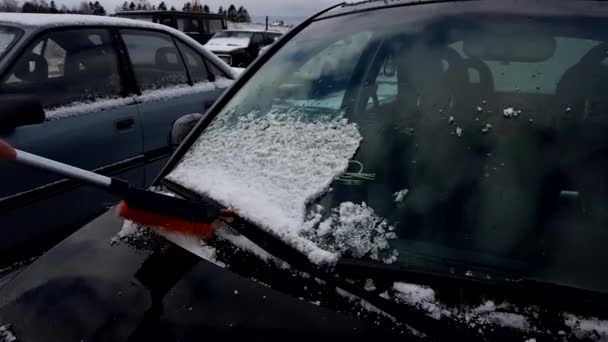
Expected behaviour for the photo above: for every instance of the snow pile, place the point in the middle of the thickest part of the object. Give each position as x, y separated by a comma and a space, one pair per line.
591, 327
269, 167
485, 314
354, 230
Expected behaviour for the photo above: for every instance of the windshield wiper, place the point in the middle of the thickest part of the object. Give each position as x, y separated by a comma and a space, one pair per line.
438, 329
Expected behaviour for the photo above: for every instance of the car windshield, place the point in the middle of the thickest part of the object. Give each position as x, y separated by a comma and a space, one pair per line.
471, 144
7, 37
233, 34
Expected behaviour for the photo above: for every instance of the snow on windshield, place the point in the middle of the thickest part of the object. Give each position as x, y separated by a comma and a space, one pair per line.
269, 167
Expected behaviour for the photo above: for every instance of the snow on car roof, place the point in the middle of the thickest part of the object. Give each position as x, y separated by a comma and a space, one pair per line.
46, 20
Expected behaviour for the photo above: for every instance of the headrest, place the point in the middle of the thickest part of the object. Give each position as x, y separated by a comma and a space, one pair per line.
32, 68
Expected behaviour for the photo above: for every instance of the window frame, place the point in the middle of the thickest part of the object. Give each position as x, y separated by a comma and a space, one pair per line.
210, 75
124, 73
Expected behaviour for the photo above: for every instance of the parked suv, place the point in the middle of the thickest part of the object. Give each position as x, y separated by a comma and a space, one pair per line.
239, 48
111, 90
200, 26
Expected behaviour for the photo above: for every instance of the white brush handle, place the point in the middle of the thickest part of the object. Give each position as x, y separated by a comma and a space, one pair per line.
62, 169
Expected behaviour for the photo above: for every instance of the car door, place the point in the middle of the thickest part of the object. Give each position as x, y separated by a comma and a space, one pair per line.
77, 75
168, 89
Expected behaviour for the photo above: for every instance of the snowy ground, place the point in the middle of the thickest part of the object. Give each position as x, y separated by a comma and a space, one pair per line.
256, 26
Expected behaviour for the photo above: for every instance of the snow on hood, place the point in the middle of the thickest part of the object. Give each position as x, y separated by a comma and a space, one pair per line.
270, 167
227, 44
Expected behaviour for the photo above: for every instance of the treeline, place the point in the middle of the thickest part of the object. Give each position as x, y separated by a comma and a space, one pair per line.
240, 15
233, 13
42, 6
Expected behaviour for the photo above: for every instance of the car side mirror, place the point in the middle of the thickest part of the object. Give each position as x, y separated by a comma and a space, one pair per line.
20, 110
182, 127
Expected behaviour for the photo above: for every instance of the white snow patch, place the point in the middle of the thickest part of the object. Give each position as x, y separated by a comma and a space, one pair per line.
420, 296
459, 131
269, 167
511, 112
588, 327
369, 285
509, 319
451, 119
163, 94
355, 230
479, 109
486, 128
399, 196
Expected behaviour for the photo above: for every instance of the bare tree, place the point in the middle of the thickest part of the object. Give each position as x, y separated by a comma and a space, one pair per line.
9, 6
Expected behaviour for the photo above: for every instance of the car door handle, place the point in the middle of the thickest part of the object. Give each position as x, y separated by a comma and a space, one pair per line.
125, 124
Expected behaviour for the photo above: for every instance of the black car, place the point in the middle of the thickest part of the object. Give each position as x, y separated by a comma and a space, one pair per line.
238, 48
438, 169
200, 26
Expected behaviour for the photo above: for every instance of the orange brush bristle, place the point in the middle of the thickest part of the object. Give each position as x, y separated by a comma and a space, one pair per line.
204, 230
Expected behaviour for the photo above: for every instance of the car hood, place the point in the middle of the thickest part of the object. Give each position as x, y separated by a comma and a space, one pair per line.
87, 288
227, 44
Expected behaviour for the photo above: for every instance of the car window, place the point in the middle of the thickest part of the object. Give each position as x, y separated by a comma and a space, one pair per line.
257, 39
7, 37
188, 25
67, 66
155, 59
195, 63
456, 167
214, 25
320, 82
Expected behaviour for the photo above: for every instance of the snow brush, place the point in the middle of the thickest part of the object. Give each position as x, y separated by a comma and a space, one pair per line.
140, 206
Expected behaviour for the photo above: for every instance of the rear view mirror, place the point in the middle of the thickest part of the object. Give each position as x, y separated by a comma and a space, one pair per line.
183, 126
20, 110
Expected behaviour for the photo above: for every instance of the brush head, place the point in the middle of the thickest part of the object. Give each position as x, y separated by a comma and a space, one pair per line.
203, 230
7, 152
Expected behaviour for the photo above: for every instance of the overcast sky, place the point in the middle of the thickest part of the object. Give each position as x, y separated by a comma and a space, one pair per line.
299, 8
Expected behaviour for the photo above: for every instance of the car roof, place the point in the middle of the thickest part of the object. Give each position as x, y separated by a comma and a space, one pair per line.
542, 7
38, 20
176, 13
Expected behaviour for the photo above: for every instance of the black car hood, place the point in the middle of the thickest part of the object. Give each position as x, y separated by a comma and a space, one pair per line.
87, 289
